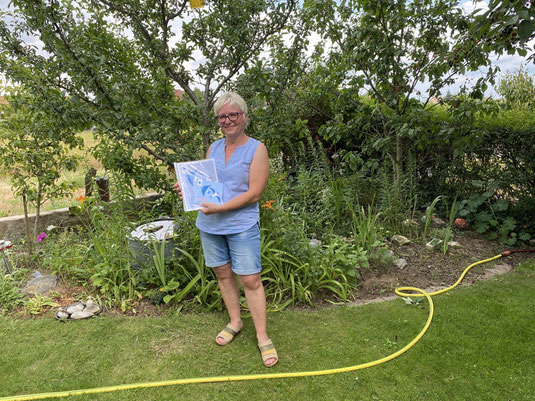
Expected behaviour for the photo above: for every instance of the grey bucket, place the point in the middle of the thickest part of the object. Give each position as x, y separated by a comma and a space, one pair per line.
144, 238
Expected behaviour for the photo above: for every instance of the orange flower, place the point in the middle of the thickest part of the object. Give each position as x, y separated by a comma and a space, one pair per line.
268, 204
81, 198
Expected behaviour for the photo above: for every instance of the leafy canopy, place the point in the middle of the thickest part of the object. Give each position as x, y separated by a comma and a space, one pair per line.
122, 60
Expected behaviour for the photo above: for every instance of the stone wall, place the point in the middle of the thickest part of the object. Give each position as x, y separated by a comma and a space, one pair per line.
12, 227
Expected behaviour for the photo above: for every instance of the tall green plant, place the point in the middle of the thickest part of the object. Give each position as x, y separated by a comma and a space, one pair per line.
158, 258
198, 281
34, 143
429, 216
366, 228
290, 280
108, 253
10, 290
65, 253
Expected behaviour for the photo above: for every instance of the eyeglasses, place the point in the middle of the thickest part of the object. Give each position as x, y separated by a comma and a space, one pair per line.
231, 117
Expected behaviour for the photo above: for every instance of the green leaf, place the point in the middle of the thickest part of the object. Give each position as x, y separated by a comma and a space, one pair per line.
500, 205
524, 236
168, 298
481, 227
525, 29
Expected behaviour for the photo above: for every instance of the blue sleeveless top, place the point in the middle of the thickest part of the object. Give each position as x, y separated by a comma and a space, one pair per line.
235, 179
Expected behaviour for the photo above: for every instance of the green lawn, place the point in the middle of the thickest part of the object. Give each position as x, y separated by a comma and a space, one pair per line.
480, 346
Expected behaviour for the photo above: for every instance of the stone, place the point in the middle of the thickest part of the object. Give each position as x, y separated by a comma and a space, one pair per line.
92, 307
314, 243
410, 223
400, 240
454, 244
497, 270
61, 314
77, 307
435, 222
40, 284
81, 315
79, 310
400, 263
433, 243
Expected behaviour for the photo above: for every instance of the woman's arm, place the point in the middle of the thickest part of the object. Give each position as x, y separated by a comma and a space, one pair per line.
258, 177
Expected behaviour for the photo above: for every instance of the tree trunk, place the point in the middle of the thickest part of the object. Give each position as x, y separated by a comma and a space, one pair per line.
204, 129
27, 225
37, 214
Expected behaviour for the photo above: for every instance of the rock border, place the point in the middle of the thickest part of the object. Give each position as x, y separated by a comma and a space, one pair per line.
78, 310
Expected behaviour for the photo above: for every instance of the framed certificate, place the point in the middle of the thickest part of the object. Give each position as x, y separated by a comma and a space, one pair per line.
198, 180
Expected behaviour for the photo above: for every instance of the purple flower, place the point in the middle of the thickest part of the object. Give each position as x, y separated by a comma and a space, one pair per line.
41, 237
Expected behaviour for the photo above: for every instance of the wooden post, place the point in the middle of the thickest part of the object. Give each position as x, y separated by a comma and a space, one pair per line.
90, 181
27, 225
103, 186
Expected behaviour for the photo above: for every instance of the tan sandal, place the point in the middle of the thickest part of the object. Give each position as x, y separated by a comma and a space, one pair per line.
268, 351
227, 334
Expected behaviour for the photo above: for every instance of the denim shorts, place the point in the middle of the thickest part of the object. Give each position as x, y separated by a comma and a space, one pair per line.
242, 250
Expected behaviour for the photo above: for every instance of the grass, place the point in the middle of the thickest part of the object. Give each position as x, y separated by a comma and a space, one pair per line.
479, 347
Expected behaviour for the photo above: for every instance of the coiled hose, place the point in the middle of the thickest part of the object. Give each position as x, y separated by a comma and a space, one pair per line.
400, 291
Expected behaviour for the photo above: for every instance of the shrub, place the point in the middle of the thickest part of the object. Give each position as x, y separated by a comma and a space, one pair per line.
10, 291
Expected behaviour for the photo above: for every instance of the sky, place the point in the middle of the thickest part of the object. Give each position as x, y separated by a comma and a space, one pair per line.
506, 63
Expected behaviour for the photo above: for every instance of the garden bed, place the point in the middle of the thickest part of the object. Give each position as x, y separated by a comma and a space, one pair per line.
430, 268
425, 269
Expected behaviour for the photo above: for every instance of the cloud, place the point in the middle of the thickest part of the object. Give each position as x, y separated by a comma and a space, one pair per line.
470, 6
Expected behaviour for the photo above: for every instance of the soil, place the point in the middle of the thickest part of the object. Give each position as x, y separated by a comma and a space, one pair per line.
432, 269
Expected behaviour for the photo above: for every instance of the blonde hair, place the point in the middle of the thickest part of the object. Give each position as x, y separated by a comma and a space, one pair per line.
230, 98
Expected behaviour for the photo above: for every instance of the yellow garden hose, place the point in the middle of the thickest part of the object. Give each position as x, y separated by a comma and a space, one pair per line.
399, 291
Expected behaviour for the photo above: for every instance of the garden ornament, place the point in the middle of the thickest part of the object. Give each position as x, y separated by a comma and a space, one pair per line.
4, 244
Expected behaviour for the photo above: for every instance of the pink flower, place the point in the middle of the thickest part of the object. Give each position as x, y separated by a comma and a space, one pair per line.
41, 237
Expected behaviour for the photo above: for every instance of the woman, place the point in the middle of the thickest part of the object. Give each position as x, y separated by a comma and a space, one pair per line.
230, 232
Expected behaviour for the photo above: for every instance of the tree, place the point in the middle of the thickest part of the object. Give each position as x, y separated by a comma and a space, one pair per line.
388, 61
507, 26
275, 83
34, 144
123, 59
518, 89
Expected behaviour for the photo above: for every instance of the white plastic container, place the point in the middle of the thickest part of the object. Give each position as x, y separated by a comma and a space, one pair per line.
143, 240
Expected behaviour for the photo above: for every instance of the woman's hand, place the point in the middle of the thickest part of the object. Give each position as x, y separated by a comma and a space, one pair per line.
178, 190
210, 208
